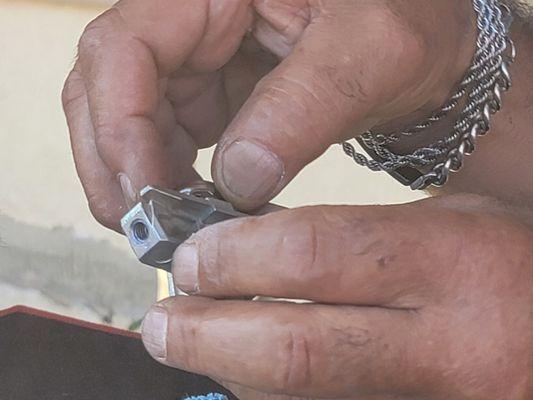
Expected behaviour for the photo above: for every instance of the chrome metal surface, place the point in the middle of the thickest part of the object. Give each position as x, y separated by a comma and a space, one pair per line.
164, 219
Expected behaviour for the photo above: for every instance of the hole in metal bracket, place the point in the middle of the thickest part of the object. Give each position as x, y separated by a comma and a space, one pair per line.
140, 231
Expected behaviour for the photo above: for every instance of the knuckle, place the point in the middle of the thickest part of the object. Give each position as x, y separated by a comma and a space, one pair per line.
73, 90
274, 87
111, 132
101, 211
107, 135
307, 91
187, 333
309, 238
91, 37
296, 372
307, 96
303, 240
98, 32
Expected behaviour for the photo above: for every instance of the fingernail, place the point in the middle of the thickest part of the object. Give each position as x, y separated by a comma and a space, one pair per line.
251, 171
130, 194
185, 268
154, 332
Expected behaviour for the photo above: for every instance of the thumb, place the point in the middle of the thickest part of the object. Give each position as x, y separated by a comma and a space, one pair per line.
323, 92
357, 64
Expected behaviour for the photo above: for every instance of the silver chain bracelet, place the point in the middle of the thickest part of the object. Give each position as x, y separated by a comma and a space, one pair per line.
481, 90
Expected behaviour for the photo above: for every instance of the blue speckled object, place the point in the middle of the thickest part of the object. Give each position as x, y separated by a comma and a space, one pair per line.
210, 396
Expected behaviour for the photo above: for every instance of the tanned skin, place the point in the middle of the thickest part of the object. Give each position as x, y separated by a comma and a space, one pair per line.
431, 300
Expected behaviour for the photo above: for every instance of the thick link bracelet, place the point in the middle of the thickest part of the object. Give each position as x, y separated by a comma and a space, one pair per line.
480, 90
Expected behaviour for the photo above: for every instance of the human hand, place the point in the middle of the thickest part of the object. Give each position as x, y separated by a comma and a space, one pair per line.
431, 300
157, 80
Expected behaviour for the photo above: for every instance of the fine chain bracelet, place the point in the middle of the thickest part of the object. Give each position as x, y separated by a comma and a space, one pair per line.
480, 90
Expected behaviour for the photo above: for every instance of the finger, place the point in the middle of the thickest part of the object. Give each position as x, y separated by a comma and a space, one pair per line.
205, 114
246, 393
101, 187
283, 348
123, 55
222, 93
322, 253
191, 96
109, 195
328, 88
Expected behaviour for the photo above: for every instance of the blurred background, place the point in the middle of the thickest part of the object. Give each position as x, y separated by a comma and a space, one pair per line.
53, 255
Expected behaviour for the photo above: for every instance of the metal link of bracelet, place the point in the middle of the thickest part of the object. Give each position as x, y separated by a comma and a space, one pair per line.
481, 89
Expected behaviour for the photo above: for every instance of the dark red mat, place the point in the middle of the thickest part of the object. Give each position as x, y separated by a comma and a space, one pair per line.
47, 357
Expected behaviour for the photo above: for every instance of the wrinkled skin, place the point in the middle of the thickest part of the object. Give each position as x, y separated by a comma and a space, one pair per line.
431, 300
161, 79
436, 298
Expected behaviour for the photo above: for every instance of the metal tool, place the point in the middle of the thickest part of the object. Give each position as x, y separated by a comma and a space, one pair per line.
164, 219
